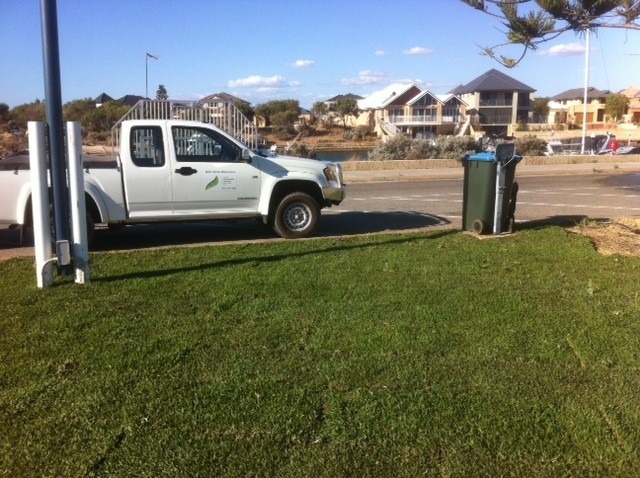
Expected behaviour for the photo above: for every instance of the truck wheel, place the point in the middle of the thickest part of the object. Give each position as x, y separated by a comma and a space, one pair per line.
296, 216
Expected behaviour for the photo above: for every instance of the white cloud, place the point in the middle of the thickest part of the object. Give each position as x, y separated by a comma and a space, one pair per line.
366, 77
568, 49
257, 81
380, 53
418, 50
303, 63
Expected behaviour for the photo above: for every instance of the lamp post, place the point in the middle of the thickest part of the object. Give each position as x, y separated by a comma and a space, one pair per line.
53, 102
586, 93
146, 72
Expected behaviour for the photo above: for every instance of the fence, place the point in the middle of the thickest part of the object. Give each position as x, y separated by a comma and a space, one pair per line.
225, 116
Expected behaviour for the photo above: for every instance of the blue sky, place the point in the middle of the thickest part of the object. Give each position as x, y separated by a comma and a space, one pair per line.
308, 50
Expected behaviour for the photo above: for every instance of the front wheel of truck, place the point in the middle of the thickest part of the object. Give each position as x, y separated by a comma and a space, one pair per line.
296, 216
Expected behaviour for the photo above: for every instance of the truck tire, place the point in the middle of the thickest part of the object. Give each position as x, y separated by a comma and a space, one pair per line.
296, 216
26, 230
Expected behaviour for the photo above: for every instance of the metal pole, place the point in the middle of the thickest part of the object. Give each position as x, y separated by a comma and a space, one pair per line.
53, 102
586, 87
79, 247
146, 76
40, 205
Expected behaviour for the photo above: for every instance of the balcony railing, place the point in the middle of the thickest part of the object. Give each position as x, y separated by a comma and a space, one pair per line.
424, 120
495, 119
496, 102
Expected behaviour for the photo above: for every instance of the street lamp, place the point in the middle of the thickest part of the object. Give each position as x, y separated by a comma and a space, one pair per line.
146, 73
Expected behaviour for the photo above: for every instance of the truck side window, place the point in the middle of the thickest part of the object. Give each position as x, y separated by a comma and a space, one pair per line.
194, 144
147, 149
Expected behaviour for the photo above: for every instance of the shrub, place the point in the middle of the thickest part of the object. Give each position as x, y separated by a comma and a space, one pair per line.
456, 147
445, 147
301, 151
395, 149
530, 145
355, 134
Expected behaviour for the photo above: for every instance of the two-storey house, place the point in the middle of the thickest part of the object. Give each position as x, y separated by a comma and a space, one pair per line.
408, 109
496, 102
568, 106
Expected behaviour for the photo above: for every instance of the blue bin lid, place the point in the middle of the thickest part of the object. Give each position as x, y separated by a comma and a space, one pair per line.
489, 157
483, 157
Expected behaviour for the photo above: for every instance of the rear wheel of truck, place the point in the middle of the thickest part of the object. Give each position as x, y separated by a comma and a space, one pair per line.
296, 216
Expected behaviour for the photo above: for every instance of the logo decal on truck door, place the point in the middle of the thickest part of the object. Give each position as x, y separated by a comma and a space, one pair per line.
224, 179
212, 184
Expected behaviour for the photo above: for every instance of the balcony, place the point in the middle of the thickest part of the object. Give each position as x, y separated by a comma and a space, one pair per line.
423, 120
500, 102
496, 119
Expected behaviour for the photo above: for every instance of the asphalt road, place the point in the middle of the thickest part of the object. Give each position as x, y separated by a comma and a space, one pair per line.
540, 198
376, 207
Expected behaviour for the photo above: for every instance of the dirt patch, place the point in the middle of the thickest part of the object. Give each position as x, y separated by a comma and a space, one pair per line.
617, 236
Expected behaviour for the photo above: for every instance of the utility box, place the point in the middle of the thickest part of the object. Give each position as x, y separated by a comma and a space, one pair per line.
490, 192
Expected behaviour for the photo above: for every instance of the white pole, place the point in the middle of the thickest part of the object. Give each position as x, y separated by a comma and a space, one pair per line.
499, 197
40, 205
586, 87
79, 246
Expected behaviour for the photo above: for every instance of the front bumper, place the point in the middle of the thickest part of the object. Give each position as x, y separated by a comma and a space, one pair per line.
336, 191
335, 195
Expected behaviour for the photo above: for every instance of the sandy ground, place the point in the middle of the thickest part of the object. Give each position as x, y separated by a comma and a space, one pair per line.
618, 236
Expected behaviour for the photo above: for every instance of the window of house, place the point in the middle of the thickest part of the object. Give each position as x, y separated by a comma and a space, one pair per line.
146, 146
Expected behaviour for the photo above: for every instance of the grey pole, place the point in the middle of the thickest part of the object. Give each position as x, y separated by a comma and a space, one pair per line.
53, 102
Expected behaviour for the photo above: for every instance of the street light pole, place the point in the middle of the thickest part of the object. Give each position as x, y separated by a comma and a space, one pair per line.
586, 90
53, 103
146, 72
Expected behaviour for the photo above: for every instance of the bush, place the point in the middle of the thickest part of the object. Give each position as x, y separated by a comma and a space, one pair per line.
395, 149
444, 147
530, 145
11, 144
301, 151
456, 147
355, 134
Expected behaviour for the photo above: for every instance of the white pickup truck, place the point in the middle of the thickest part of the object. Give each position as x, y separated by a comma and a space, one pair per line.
176, 170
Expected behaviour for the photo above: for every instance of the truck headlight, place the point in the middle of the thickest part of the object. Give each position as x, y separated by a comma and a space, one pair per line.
332, 173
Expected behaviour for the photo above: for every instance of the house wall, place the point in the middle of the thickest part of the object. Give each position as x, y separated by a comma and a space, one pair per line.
595, 112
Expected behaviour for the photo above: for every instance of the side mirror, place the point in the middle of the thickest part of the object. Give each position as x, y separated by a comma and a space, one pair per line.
246, 155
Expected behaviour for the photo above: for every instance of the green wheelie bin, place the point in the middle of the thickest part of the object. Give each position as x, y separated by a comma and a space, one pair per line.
490, 192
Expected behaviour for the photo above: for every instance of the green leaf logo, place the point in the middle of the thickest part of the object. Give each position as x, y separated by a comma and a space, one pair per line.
213, 183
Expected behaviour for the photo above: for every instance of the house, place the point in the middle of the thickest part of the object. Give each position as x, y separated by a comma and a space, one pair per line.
131, 100
218, 100
568, 106
496, 102
408, 109
224, 106
349, 96
633, 113
102, 99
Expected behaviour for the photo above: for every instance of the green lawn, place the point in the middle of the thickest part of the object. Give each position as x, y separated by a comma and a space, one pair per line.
431, 354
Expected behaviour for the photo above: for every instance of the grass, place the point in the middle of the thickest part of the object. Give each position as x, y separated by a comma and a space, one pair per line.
430, 354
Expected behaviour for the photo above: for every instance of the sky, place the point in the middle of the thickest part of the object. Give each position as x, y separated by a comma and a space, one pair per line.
308, 50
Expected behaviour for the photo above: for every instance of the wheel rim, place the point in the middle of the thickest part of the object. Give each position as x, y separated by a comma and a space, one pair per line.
297, 217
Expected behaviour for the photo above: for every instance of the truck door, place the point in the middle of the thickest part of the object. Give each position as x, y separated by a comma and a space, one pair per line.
209, 177
147, 180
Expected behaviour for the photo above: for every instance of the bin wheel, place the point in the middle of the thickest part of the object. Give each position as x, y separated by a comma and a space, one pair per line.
480, 227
